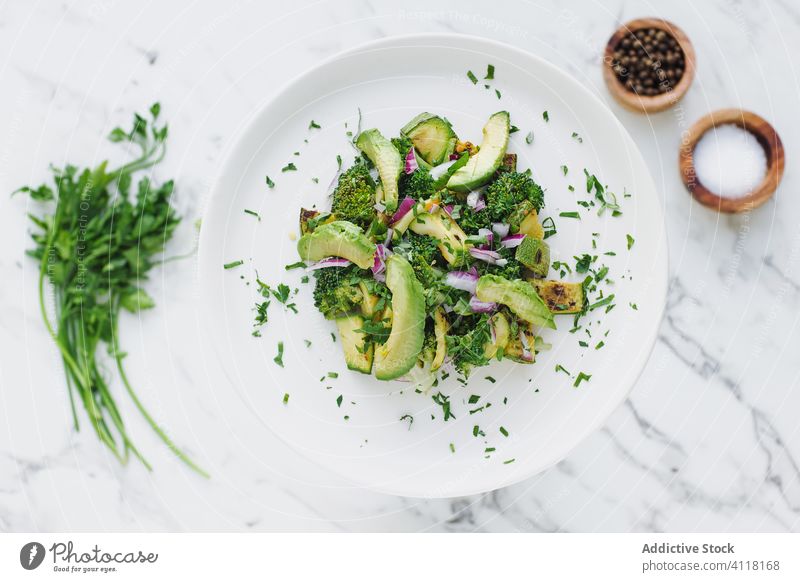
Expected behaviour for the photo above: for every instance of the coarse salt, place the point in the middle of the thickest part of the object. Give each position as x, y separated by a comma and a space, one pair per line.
729, 161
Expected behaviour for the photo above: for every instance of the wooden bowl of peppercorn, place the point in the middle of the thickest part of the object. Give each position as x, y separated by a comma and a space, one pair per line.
648, 65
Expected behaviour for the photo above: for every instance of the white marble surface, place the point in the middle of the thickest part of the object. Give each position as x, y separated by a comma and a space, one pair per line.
708, 440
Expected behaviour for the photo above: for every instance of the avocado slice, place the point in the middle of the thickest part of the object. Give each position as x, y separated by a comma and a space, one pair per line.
399, 354
385, 157
357, 356
432, 136
502, 330
452, 240
535, 255
481, 167
514, 349
337, 239
519, 296
561, 297
440, 333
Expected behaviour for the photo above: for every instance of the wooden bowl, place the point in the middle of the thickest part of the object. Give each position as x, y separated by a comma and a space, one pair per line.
764, 133
648, 103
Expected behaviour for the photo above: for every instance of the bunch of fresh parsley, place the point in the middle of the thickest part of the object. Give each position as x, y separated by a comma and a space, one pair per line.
95, 246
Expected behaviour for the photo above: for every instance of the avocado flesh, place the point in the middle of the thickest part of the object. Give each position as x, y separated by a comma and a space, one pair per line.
337, 239
432, 136
399, 354
452, 240
440, 332
535, 255
502, 331
481, 167
519, 296
386, 159
356, 356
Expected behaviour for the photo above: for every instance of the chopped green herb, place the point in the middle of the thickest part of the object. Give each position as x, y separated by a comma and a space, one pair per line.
314, 125
339, 400
473, 399
581, 377
279, 358
560, 368
489, 72
570, 215
409, 418
452, 448
634, 306
497, 92
546, 116
444, 402
252, 213
599, 345
630, 241
290, 167
583, 344
491, 379
508, 462
307, 342
472, 77
489, 450
576, 137
297, 265
564, 170
233, 264
503, 431
286, 398
333, 375
529, 138
270, 183
549, 226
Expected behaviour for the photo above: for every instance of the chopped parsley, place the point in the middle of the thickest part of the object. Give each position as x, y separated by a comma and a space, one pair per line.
503, 431
339, 400
630, 241
564, 170
489, 72
286, 398
497, 92
297, 265
581, 377
252, 213
409, 418
560, 368
279, 358
233, 264
491, 379
314, 125
546, 116
444, 402
529, 138
471, 76
270, 183
572, 214
473, 399
576, 137
290, 167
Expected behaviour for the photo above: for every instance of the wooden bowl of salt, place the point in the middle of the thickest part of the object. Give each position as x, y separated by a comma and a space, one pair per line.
732, 160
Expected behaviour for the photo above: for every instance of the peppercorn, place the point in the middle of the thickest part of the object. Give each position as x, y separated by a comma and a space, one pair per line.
648, 61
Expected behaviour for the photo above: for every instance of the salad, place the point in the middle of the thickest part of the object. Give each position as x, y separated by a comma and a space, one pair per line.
432, 255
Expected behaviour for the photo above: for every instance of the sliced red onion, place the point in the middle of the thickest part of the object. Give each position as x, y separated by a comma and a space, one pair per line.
462, 280
448, 208
526, 348
411, 162
501, 229
480, 205
440, 170
389, 237
512, 241
329, 262
481, 306
454, 156
434, 207
406, 204
492, 330
487, 256
489, 237
379, 260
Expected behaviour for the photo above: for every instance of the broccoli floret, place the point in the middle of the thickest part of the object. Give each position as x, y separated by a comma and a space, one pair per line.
418, 185
336, 291
471, 222
354, 197
422, 254
402, 144
466, 342
510, 190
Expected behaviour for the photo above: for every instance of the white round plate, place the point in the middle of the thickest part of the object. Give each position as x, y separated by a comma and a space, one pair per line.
352, 423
